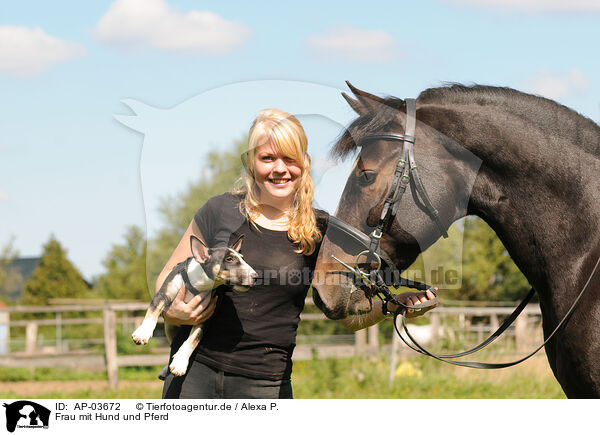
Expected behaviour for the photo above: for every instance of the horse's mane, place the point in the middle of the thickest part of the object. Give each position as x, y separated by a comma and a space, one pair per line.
558, 120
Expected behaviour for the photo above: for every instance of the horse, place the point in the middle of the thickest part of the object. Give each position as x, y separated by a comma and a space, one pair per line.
526, 165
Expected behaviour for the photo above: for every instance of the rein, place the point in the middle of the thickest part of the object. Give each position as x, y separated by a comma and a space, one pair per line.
513, 316
407, 170
378, 287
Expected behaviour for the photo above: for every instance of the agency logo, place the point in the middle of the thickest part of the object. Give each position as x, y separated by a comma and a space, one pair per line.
25, 414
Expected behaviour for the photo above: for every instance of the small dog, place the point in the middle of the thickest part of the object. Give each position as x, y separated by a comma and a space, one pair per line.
203, 272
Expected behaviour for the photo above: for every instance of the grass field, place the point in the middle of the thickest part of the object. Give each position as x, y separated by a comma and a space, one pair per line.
365, 378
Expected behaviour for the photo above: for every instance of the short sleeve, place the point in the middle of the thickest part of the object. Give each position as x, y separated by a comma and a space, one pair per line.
205, 219
218, 218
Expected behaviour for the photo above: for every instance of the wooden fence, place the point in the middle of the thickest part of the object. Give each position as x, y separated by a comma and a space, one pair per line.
461, 324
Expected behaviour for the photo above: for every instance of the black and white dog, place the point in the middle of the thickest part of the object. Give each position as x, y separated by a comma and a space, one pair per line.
201, 274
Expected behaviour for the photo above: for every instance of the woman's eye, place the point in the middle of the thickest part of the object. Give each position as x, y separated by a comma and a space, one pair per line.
290, 160
366, 177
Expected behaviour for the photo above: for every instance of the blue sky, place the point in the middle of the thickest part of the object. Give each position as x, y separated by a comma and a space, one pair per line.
69, 167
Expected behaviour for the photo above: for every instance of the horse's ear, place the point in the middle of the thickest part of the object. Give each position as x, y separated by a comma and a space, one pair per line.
368, 102
355, 104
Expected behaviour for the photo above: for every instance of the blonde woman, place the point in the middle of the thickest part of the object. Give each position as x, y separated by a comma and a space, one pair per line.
246, 350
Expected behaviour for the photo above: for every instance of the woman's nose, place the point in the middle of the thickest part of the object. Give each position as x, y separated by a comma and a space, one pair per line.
280, 166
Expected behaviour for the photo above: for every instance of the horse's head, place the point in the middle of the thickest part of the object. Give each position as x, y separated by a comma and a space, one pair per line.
447, 181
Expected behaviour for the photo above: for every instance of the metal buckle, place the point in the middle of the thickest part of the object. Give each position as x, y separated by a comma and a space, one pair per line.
377, 233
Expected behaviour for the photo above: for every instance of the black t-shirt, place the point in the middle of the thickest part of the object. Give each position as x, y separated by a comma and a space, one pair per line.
254, 333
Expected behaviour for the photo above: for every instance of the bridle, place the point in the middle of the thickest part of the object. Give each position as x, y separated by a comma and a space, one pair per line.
407, 170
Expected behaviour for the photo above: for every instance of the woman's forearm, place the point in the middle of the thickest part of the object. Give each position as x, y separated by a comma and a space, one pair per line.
361, 321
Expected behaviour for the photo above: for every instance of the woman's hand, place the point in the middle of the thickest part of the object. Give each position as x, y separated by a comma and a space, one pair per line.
413, 298
190, 313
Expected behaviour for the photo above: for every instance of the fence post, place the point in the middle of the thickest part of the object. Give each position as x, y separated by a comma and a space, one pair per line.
435, 327
59, 344
373, 336
4, 332
360, 340
110, 345
461, 327
479, 332
521, 332
31, 332
393, 358
494, 323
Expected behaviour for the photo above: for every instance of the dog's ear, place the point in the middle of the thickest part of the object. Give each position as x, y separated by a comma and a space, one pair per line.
238, 244
199, 249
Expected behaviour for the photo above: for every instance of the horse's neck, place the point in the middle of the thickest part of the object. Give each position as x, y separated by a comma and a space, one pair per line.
540, 194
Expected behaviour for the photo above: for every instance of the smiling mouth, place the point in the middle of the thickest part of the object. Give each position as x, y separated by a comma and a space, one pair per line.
279, 181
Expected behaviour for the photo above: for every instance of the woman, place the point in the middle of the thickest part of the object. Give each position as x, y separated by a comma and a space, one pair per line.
247, 345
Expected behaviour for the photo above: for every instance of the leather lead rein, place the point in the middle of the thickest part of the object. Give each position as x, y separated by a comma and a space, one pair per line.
406, 169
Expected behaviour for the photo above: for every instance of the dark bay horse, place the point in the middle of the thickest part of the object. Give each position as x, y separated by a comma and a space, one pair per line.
526, 165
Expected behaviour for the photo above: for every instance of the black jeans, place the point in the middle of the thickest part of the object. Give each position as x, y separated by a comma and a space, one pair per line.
204, 382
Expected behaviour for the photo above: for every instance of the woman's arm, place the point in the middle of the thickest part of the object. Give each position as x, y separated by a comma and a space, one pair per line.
181, 313
355, 323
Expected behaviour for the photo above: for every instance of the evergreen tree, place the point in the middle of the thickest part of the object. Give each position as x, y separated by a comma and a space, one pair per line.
125, 264
54, 277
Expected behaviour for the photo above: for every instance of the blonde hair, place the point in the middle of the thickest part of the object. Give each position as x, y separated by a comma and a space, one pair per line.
285, 133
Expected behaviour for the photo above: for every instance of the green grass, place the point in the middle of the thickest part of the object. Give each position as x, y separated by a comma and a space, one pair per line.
89, 393
19, 374
417, 378
420, 378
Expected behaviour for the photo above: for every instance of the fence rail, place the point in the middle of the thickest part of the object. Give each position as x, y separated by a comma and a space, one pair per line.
443, 322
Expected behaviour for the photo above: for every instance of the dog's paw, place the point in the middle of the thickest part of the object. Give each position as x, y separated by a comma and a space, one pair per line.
179, 365
142, 335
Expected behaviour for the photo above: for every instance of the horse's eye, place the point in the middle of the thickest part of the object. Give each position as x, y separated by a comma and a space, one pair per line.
366, 177
229, 259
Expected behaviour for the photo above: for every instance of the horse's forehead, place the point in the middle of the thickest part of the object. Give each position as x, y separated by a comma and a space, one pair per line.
385, 119
380, 152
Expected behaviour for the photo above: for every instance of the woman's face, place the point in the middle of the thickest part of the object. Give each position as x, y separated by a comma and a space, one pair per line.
276, 175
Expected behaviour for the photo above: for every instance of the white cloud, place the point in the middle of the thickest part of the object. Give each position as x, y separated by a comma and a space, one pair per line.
152, 23
558, 86
537, 5
26, 52
350, 43
4, 196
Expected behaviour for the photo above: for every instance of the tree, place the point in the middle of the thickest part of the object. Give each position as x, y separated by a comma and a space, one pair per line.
125, 264
484, 271
10, 279
488, 271
54, 277
223, 168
